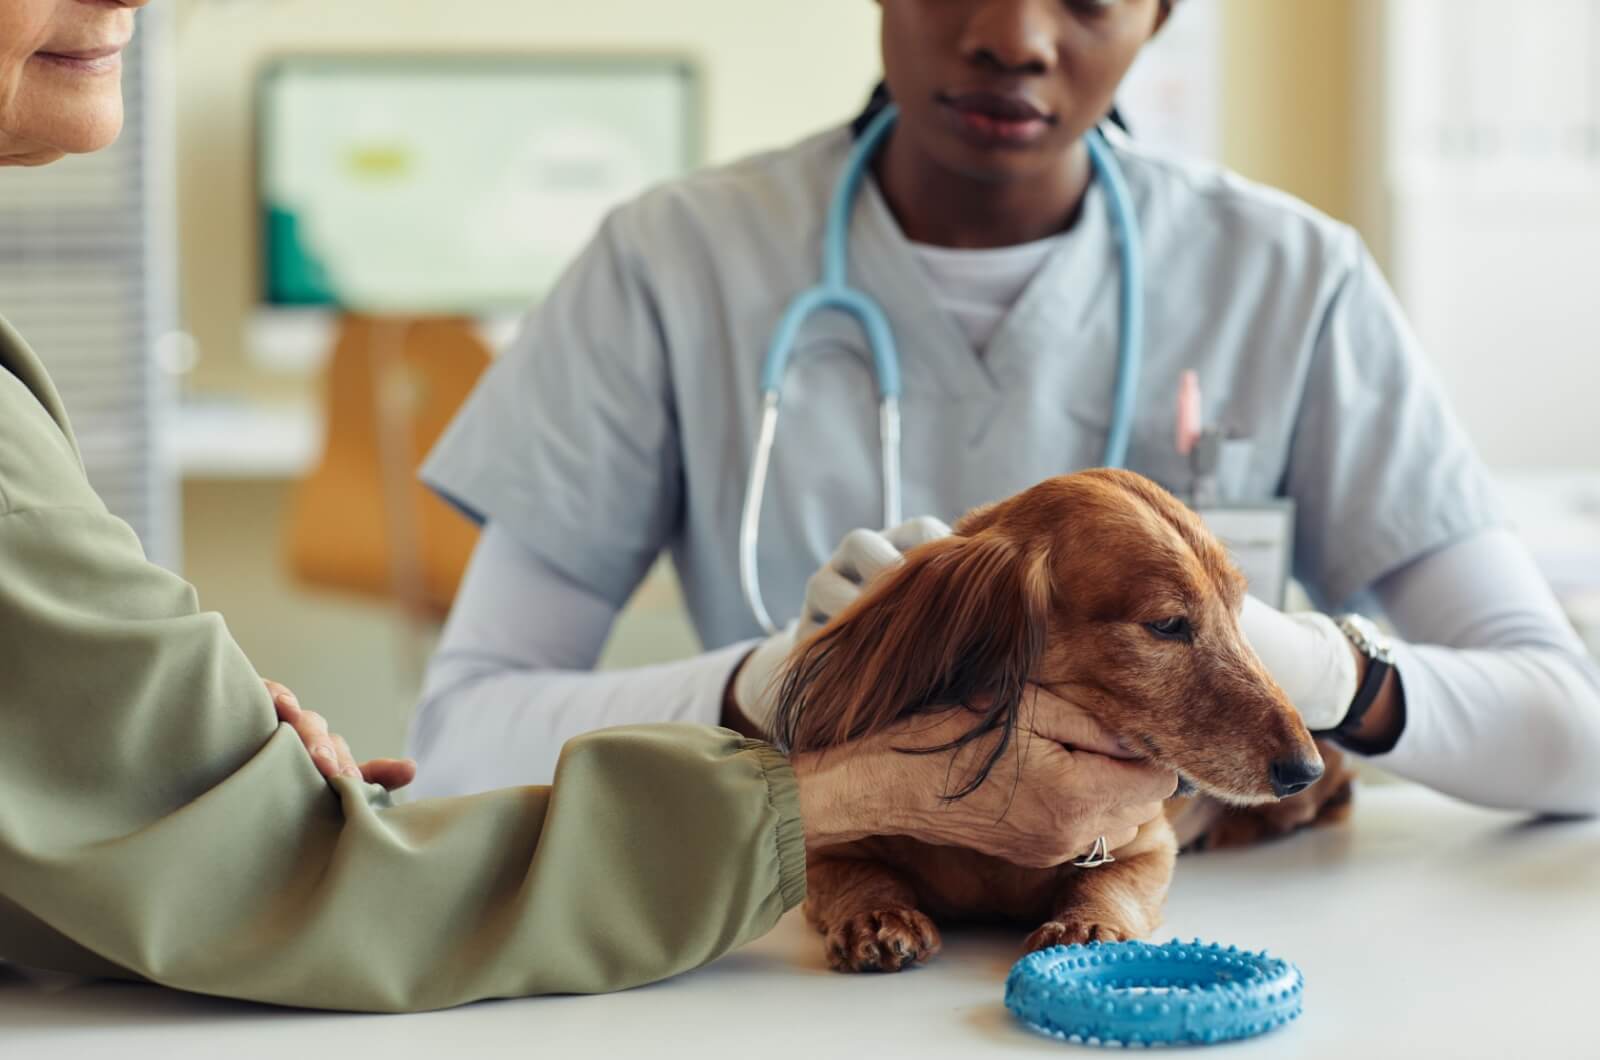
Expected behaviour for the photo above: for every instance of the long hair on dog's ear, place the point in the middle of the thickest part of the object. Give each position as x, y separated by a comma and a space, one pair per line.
961, 623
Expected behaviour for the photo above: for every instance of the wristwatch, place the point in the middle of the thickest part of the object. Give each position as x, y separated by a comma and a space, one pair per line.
1371, 642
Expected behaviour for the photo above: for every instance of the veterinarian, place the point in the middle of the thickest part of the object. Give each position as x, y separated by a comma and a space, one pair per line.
627, 419
157, 822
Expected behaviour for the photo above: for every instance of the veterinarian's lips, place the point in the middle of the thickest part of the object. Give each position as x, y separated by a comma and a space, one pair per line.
997, 119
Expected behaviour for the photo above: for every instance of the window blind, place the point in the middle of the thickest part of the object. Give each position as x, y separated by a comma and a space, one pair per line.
87, 275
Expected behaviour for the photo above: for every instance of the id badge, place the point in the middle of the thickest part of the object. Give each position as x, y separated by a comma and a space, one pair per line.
1260, 538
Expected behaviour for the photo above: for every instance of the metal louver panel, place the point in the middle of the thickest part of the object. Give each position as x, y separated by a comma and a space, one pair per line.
87, 276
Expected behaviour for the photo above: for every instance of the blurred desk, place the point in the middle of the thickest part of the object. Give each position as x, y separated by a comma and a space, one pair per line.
223, 438
232, 439
1425, 929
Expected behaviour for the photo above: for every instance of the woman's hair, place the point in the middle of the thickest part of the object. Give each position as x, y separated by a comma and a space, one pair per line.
875, 104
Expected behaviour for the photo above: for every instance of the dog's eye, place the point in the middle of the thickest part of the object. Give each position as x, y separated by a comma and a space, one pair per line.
1176, 628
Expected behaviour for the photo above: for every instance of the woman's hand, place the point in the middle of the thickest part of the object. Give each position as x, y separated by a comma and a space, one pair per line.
1056, 789
329, 751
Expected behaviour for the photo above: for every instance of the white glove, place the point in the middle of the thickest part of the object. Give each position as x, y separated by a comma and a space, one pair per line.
860, 557
1308, 655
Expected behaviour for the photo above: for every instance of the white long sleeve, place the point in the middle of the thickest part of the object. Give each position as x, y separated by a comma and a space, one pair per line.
512, 679
1502, 700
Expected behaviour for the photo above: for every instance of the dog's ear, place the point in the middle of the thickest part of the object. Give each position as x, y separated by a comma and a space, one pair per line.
961, 622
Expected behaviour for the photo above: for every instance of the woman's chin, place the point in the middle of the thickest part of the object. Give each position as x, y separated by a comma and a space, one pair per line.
62, 114
78, 134
40, 156
91, 129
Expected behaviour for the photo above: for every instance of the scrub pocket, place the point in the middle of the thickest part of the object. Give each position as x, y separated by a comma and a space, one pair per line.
1237, 481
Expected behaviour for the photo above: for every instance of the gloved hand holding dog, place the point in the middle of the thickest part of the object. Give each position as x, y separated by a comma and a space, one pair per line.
1305, 652
860, 557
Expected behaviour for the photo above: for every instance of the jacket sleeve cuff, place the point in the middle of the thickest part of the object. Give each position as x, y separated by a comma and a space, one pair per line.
783, 794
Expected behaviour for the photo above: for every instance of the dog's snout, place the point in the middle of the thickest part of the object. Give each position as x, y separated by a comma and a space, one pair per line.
1291, 776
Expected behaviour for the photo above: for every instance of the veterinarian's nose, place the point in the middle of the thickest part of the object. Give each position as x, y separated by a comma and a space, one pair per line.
1291, 776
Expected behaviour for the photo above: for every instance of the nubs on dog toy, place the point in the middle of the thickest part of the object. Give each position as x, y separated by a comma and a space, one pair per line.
1138, 994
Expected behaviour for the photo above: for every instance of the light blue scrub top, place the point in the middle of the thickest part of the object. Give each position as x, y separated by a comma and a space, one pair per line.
622, 420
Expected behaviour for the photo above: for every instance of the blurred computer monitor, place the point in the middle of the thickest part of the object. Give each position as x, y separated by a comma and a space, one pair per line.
461, 184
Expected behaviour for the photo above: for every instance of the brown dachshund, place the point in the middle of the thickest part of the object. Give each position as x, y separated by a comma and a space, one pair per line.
1103, 589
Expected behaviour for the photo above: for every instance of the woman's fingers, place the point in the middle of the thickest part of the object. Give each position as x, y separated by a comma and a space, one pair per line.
312, 728
347, 761
1061, 721
1119, 838
1141, 785
1043, 804
1102, 796
283, 701
389, 773
330, 752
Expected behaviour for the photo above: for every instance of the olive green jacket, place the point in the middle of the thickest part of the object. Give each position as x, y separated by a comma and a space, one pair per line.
157, 823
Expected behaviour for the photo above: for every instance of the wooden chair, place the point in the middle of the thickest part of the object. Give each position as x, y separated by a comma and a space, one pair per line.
361, 522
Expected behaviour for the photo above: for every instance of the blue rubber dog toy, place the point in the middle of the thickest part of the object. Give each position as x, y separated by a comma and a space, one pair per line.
1136, 994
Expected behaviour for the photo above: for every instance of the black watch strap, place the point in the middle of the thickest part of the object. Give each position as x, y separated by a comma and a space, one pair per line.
1379, 654
1366, 695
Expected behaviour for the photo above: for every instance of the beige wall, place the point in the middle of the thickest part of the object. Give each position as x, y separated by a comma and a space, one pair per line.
1291, 106
773, 71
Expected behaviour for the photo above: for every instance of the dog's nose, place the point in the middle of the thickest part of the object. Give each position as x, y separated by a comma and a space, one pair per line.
1291, 776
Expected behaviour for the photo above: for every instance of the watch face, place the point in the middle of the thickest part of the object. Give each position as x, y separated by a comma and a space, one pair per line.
1368, 638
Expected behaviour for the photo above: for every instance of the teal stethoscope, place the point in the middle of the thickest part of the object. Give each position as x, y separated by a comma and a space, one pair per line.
835, 292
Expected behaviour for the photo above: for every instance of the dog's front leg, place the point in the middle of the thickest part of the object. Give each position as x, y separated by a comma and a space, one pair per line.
1114, 902
868, 915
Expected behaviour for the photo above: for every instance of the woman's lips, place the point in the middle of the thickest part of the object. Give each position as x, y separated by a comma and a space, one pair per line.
94, 60
998, 119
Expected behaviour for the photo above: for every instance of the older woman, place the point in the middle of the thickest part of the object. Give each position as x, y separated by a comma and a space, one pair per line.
157, 822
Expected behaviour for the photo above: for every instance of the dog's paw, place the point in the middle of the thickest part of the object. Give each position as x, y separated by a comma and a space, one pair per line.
1067, 932
883, 941
1324, 805
1335, 809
